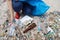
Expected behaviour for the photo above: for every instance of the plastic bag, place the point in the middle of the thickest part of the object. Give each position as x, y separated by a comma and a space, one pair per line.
40, 9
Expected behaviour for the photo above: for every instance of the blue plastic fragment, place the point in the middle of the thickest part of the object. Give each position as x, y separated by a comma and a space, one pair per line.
39, 29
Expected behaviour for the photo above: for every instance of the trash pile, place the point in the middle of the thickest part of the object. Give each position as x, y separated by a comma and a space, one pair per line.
45, 27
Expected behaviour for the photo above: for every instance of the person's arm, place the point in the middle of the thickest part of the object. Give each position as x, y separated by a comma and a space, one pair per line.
9, 3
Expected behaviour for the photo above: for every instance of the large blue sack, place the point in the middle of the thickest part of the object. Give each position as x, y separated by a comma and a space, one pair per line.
40, 9
38, 5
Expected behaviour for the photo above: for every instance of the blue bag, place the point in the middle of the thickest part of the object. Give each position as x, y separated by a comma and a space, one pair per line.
40, 9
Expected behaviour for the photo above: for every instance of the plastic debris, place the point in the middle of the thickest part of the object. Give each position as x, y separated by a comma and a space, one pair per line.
11, 31
25, 20
39, 29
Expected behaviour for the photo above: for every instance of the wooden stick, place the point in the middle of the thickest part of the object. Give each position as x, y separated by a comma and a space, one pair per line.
9, 3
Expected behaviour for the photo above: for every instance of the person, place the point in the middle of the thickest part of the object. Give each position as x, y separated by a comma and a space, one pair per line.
23, 5
29, 7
